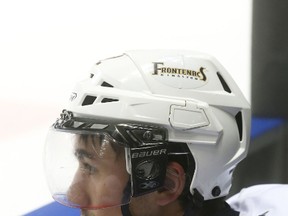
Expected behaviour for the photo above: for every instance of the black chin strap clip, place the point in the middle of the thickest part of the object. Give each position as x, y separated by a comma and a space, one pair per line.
197, 199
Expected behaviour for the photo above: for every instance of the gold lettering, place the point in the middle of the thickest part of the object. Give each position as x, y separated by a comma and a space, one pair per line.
156, 68
184, 73
174, 70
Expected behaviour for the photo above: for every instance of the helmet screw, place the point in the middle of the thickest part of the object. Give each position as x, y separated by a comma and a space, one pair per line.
216, 191
147, 135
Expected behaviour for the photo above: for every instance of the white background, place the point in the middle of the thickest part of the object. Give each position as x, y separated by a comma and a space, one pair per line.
46, 46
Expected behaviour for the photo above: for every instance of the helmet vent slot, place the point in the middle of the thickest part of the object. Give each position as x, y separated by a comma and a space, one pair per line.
223, 82
88, 100
105, 84
109, 100
239, 122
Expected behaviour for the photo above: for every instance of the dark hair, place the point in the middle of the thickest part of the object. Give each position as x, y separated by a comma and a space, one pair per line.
98, 139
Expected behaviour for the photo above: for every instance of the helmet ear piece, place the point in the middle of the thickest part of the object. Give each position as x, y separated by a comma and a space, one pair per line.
148, 168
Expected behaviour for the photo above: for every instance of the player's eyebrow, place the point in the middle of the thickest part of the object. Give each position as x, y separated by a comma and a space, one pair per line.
80, 154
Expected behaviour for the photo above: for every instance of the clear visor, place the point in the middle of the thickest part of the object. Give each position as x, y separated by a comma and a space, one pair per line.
86, 171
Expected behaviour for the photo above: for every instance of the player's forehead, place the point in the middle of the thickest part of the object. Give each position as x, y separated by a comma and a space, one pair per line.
88, 139
99, 145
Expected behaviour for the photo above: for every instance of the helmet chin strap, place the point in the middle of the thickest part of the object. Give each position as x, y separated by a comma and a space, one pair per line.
125, 210
126, 193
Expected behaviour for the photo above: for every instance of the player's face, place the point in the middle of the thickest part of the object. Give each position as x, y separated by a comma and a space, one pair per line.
101, 179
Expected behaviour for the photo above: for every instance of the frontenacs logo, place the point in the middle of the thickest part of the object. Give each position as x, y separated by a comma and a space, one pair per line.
161, 70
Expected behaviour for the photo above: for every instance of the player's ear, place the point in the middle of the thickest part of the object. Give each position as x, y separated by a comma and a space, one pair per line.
174, 184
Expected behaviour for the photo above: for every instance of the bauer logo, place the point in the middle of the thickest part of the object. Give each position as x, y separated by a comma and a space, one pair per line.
180, 77
143, 154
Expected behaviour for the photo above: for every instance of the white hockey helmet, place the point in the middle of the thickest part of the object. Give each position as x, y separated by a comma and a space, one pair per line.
175, 96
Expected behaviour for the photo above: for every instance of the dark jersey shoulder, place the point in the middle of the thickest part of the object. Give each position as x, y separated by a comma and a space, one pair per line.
227, 211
